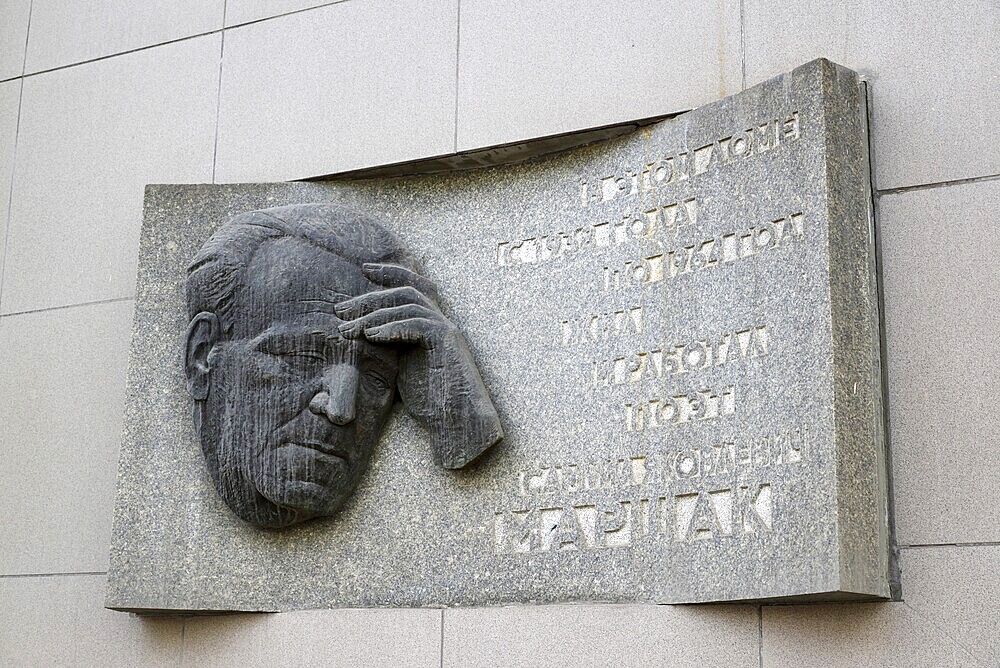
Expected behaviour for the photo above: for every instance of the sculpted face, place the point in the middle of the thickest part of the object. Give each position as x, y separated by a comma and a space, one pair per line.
295, 409
304, 321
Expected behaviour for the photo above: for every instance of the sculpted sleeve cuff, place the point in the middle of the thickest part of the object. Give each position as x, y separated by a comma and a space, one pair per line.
462, 419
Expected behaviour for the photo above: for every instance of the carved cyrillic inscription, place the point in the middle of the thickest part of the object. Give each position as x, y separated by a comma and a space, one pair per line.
720, 250
648, 224
681, 358
601, 326
667, 411
680, 492
684, 165
712, 514
642, 472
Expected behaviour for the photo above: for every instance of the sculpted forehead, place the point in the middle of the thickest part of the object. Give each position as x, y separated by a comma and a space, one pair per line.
289, 276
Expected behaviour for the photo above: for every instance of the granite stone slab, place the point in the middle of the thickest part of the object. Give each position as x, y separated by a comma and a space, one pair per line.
679, 329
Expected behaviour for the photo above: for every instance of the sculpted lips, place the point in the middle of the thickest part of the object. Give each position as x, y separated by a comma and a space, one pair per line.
319, 446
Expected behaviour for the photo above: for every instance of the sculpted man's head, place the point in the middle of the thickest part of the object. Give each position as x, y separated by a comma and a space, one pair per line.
289, 409
301, 320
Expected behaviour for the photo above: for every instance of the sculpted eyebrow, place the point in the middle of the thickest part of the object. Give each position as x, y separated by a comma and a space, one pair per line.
312, 336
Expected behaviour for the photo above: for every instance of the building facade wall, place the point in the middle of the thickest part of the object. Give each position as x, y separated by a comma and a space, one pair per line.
98, 99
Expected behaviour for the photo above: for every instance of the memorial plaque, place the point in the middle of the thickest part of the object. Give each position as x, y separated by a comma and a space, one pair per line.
677, 331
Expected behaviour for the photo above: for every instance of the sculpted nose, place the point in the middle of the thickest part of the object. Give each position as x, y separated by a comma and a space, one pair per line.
338, 396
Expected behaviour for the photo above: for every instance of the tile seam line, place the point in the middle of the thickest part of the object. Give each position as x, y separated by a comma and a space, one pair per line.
10, 191
184, 621
27, 38
185, 38
760, 636
51, 575
61, 307
218, 91
278, 16
122, 53
458, 57
901, 190
743, 46
13, 165
923, 546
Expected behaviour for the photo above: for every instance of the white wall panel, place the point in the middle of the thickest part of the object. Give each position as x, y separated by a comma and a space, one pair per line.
64, 32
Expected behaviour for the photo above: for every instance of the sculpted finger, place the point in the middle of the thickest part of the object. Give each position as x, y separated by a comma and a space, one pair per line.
355, 328
372, 301
396, 276
412, 330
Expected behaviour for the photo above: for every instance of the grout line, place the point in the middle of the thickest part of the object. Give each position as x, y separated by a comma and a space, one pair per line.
920, 546
122, 53
458, 55
743, 47
939, 184
294, 11
218, 92
10, 191
110, 300
52, 575
183, 629
27, 36
441, 648
13, 157
166, 42
760, 636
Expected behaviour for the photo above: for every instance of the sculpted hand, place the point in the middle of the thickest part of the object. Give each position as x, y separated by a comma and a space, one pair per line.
438, 379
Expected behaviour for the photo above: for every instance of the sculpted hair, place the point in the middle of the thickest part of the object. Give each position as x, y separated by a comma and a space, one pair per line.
217, 270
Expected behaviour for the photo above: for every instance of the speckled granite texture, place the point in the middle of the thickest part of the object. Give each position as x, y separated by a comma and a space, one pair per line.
679, 328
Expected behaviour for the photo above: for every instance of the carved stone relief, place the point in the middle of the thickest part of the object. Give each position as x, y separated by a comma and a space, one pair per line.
679, 330
306, 323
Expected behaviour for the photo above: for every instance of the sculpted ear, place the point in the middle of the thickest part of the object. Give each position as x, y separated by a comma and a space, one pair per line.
202, 335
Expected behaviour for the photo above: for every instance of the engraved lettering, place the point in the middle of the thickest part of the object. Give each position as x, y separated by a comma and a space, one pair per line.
707, 254
686, 357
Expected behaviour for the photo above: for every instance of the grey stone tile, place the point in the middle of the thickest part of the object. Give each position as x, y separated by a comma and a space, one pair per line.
13, 33
63, 32
942, 312
567, 65
316, 638
243, 11
91, 137
346, 86
933, 73
10, 97
62, 377
957, 591
622, 635
949, 618
60, 621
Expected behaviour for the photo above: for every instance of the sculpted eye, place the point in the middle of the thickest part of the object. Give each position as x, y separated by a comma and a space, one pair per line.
298, 360
377, 381
294, 348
